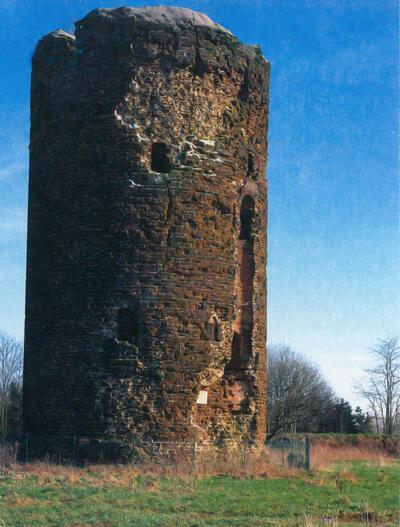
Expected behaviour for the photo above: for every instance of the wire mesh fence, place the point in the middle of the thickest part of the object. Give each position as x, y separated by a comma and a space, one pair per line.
186, 457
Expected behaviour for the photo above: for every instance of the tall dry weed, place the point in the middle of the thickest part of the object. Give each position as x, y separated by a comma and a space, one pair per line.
324, 456
204, 462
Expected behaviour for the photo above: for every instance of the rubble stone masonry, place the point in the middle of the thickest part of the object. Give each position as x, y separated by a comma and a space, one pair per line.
146, 273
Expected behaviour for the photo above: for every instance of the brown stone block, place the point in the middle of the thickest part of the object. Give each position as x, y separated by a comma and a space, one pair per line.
147, 231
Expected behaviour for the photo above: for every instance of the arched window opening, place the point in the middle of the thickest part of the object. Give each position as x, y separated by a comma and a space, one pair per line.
216, 332
128, 326
214, 329
160, 161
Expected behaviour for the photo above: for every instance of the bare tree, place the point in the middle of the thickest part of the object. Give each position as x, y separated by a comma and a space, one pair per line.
11, 353
297, 391
382, 386
373, 403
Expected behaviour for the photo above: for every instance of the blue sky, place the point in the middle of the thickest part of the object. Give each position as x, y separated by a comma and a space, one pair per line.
333, 266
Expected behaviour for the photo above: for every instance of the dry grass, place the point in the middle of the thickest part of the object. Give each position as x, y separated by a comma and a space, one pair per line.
239, 464
206, 462
95, 475
323, 456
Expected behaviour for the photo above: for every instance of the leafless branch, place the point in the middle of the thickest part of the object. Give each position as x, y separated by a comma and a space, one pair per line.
11, 354
381, 387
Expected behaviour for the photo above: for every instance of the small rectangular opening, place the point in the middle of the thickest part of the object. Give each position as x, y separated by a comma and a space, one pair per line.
160, 161
128, 326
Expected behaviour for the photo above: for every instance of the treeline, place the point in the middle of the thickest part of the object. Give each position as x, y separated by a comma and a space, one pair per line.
300, 399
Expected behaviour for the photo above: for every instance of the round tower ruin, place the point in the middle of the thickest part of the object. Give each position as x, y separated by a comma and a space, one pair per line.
146, 271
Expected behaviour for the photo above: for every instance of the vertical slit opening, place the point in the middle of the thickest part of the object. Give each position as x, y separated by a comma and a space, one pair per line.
216, 332
250, 163
243, 326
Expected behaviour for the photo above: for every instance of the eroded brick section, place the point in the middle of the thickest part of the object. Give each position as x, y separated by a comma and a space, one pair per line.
146, 280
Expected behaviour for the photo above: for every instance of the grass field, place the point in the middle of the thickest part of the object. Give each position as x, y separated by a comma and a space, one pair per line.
344, 493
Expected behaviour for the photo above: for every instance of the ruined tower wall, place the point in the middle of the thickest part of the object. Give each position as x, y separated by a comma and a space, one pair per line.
146, 274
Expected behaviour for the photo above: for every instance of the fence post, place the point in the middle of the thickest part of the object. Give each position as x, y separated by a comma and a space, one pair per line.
74, 447
194, 456
307, 464
26, 448
245, 454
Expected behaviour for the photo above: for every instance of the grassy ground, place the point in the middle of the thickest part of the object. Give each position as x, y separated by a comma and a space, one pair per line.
354, 493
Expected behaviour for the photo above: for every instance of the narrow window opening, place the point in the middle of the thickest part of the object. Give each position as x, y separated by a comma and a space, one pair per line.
250, 163
243, 327
214, 329
246, 219
160, 161
245, 88
128, 326
235, 361
200, 68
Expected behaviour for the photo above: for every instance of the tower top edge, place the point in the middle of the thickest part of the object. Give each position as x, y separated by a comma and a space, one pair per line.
127, 22
157, 15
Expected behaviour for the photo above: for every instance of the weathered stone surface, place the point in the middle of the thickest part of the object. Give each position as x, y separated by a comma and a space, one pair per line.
146, 279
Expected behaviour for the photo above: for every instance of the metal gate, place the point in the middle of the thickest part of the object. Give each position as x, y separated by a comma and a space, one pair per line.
291, 452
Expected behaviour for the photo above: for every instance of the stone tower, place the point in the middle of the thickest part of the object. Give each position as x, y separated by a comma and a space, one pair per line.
146, 273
